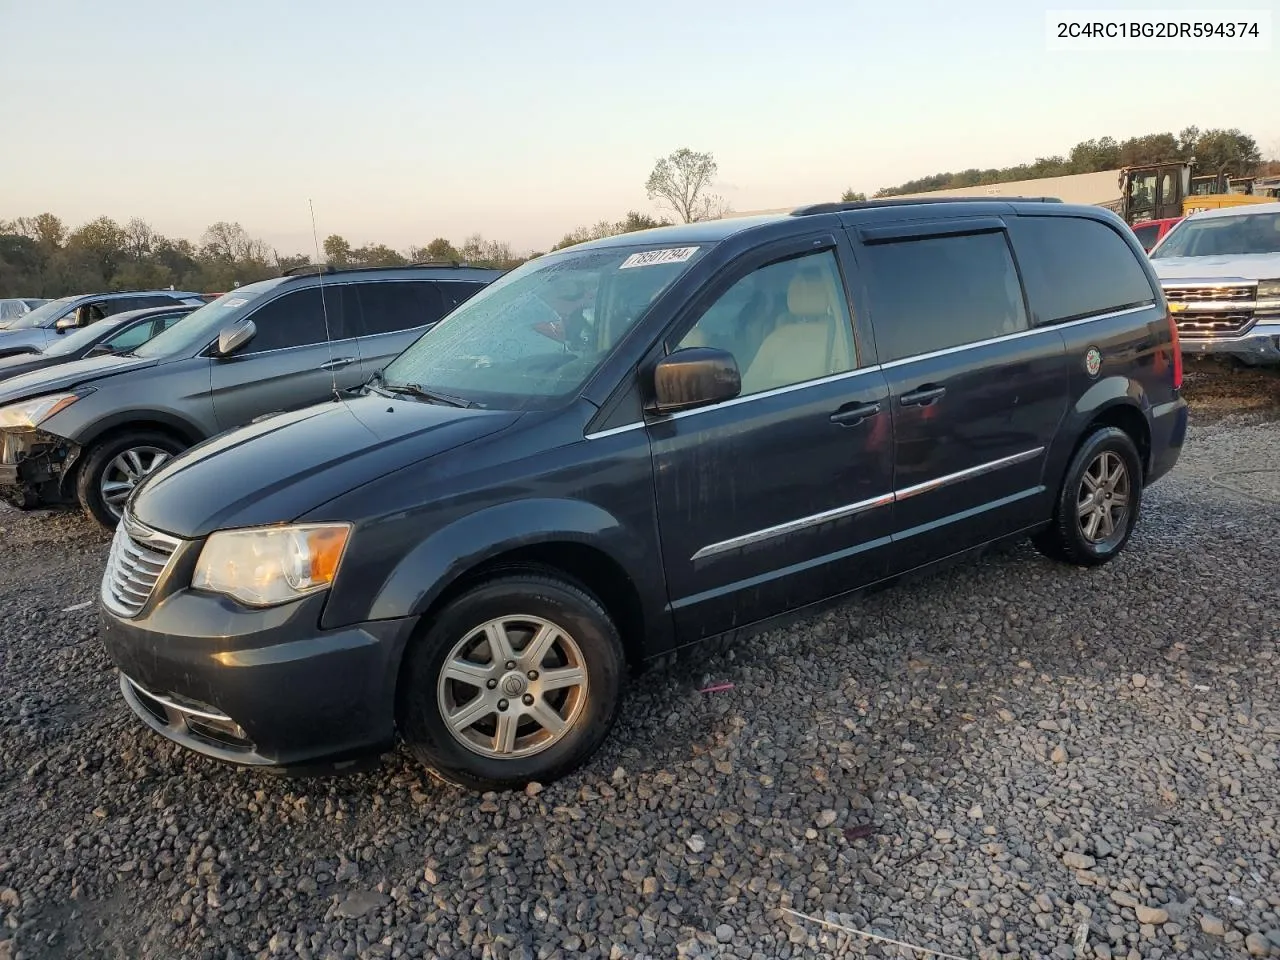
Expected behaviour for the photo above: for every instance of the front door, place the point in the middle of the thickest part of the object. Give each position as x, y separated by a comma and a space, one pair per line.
977, 396
301, 351
781, 496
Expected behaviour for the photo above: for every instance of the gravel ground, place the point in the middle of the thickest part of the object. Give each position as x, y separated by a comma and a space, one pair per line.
1010, 759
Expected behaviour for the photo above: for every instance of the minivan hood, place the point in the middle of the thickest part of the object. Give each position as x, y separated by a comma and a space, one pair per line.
67, 376
278, 469
1253, 266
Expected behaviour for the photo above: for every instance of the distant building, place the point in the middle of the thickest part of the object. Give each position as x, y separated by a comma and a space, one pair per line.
1098, 189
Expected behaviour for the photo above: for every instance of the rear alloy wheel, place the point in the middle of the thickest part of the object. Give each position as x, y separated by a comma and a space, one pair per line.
113, 469
1098, 503
517, 680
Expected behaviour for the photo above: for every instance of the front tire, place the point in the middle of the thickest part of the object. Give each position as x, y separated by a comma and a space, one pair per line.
114, 467
517, 680
1099, 502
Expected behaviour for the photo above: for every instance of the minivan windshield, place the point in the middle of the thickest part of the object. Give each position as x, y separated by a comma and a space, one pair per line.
201, 327
1233, 236
534, 336
43, 315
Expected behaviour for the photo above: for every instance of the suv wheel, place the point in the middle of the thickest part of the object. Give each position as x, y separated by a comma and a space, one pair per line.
1099, 501
113, 468
517, 680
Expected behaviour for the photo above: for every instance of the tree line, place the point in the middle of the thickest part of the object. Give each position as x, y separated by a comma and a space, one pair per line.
41, 257
1214, 151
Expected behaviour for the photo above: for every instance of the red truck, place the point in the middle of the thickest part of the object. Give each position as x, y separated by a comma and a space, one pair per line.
1151, 232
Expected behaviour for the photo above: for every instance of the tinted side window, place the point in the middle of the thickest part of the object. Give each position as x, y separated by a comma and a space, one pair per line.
456, 292
1076, 267
297, 319
785, 323
392, 305
941, 292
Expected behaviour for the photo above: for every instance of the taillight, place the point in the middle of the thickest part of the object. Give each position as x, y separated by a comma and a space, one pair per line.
1177, 352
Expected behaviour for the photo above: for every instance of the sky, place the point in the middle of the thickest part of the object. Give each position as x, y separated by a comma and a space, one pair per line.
404, 121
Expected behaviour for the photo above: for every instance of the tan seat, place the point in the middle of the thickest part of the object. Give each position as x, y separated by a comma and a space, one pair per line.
807, 342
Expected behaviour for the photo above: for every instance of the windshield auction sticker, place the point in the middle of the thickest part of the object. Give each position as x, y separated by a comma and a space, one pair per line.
652, 258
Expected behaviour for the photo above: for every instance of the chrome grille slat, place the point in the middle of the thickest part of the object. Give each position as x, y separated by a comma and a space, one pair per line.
1214, 324
1234, 293
137, 561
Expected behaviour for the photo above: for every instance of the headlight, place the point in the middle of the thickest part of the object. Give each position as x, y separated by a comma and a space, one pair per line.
29, 414
266, 566
1269, 290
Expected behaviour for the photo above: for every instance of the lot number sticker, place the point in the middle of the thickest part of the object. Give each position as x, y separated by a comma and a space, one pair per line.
652, 258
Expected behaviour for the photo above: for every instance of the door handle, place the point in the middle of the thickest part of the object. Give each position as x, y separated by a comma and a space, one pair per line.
923, 396
852, 414
337, 363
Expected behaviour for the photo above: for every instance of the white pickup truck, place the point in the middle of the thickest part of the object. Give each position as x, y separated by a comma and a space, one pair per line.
1220, 271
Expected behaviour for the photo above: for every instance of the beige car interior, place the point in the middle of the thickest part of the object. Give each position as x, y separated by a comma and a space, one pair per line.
809, 338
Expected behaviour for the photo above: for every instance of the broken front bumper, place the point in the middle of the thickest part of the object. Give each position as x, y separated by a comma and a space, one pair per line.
34, 465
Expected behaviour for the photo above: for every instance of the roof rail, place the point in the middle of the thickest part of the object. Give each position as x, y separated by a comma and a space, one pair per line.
452, 264
309, 268
838, 206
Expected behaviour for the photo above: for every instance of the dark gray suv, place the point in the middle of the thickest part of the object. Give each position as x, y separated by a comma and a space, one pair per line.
91, 429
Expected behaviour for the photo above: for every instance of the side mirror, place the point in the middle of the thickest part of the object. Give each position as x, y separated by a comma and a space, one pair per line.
66, 323
235, 336
98, 349
695, 377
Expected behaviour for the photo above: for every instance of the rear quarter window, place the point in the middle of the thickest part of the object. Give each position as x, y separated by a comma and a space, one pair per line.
1075, 268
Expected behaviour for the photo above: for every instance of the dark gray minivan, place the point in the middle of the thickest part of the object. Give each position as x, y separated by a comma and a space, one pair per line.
634, 444
91, 429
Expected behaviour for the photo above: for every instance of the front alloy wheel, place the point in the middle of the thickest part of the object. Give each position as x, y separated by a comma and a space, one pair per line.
112, 469
513, 687
517, 679
125, 472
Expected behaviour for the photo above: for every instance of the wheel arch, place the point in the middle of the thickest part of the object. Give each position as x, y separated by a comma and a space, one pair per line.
153, 421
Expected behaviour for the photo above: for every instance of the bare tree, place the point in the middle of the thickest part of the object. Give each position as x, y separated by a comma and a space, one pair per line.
139, 238
682, 182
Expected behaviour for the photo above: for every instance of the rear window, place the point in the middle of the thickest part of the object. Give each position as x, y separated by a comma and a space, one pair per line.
1075, 268
1147, 234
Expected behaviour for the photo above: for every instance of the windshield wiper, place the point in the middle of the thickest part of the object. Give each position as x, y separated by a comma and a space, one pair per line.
414, 390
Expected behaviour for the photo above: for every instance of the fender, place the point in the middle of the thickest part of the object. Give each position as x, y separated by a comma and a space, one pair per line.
448, 553
184, 428
1107, 394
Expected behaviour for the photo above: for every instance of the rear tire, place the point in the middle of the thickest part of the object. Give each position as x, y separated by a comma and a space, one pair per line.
1099, 502
519, 714
112, 468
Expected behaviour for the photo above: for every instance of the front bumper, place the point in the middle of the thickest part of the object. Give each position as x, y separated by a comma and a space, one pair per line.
1261, 344
34, 465
265, 688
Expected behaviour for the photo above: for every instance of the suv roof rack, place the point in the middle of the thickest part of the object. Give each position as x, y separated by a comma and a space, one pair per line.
839, 206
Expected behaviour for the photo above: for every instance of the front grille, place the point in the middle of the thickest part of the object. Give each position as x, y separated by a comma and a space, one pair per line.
1232, 293
1214, 324
138, 557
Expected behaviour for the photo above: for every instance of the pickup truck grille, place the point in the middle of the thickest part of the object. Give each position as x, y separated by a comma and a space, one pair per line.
1192, 325
139, 556
1242, 293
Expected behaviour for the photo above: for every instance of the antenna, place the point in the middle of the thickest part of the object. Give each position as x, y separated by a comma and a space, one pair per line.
324, 306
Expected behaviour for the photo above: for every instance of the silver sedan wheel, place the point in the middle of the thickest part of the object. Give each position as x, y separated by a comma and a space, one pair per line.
512, 687
125, 472
1102, 503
